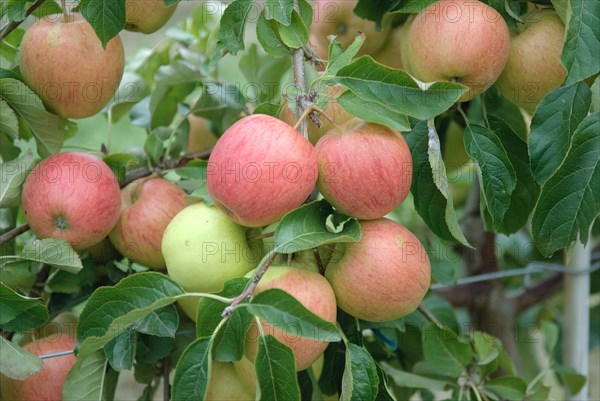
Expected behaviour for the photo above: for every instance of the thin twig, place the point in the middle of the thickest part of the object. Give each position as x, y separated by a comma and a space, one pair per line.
166, 383
429, 316
11, 26
319, 261
40, 279
15, 232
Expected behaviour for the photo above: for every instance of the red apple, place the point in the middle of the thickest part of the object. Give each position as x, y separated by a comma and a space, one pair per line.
73, 196
47, 384
465, 41
260, 169
384, 276
365, 170
148, 206
65, 64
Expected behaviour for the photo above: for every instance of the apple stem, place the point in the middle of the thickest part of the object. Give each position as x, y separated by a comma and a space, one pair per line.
429, 316
15, 232
261, 236
319, 261
247, 293
63, 5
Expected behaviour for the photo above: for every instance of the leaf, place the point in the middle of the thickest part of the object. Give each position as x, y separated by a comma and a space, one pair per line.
17, 363
485, 347
280, 11
12, 177
570, 378
570, 199
411, 380
48, 129
396, 90
16, 9
87, 378
296, 34
9, 124
580, 51
360, 381
524, 197
232, 26
339, 57
193, 371
107, 17
496, 173
372, 112
508, 387
162, 322
306, 228
276, 371
153, 147
375, 10
151, 349
269, 38
444, 350
283, 311
432, 201
53, 251
120, 350
554, 122
20, 313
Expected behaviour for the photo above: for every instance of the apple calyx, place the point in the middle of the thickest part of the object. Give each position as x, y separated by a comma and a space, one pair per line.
61, 223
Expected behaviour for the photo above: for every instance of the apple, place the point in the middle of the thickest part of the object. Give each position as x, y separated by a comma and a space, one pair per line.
147, 16
383, 276
147, 207
365, 170
391, 54
333, 110
260, 169
337, 17
73, 196
64, 63
200, 136
48, 383
314, 293
224, 384
464, 41
534, 65
203, 249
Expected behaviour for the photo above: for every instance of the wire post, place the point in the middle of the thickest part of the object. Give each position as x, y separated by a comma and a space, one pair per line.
576, 326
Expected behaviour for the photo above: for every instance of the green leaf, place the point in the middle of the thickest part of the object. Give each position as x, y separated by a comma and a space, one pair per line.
445, 351
372, 112
595, 106
375, 10
276, 371
485, 347
53, 251
132, 89
20, 313
580, 51
508, 387
524, 197
151, 349
162, 322
9, 124
554, 122
360, 381
396, 90
296, 34
121, 350
432, 197
107, 17
411, 380
86, 380
121, 164
340, 57
9, 49
193, 371
17, 363
283, 311
307, 227
280, 11
496, 173
570, 378
154, 148
269, 38
570, 199
16, 9
232, 26
12, 177
48, 129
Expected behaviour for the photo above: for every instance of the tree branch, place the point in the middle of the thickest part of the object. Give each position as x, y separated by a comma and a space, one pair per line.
11, 26
15, 232
540, 291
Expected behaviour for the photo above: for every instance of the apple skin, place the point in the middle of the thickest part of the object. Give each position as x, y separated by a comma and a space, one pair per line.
465, 41
66, 66
336, 17
74, 196
147, 207
365, 171
391, 54
534, 65
254, 176
382, 277
225, 384
203, 249
147, 16
200, 136
47, 385
311, 290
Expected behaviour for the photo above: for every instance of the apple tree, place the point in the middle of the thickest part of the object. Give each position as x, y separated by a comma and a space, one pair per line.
196, 210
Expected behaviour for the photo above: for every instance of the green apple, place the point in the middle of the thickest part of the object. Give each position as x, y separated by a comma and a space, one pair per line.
225, 385
200, 136
147, 16
203, 249
534, 65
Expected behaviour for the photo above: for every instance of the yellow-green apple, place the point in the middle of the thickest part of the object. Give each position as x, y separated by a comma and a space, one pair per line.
314, 293
73, 196
200, 135
64, 63
147, 207
464, 41
534, 67
334, 111
225, 385
260, 169
391, 54
48, 383
147, 16
365, 170
384, 276
337, 17
203, 248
